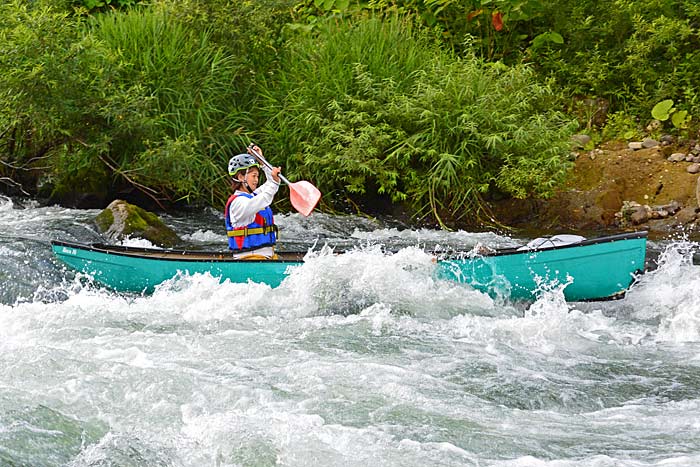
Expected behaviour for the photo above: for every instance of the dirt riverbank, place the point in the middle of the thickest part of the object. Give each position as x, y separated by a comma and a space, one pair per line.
602, 180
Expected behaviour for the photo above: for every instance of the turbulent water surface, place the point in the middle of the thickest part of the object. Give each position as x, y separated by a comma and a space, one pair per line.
357, 359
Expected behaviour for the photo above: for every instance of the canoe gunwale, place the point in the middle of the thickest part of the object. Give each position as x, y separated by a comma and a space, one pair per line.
176, 255
298, 256
517, 251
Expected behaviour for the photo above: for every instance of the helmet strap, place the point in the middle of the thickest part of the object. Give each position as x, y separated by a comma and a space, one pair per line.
244, 182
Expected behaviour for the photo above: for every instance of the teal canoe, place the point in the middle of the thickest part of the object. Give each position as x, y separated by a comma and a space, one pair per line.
595, 269
131, 269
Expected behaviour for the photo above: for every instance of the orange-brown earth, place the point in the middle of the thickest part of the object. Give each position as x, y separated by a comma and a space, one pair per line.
601, 181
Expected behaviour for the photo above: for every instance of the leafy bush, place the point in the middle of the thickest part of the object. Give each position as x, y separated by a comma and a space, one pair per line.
96, 5
632, 53
51, 87
621, 125
411, 121
430, 106
134, 94
484, 27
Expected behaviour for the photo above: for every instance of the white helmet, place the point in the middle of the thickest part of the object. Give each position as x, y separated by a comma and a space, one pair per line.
241, 162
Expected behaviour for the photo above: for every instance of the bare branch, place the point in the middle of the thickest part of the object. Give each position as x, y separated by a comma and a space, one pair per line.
9, 181
148, 191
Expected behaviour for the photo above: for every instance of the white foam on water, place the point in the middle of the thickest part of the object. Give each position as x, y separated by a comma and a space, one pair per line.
662, 307
548, 325
295, 227
360, 358
668, 295
206, 236
285, 437
236, 374
129, 449
466, 240
11, 252
6, 203
358, 278
599, 461
137, 242
25, 218
202, 298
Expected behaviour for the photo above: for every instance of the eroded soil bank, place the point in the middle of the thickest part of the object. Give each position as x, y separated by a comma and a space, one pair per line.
603, 179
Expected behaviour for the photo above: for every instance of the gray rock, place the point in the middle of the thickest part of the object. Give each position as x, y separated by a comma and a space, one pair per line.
661, 212
668, 139
581, 140
672, 207
649, 143
121, 219
633, 213
639, 215
693, 168
635, 145
686, 215
676, 157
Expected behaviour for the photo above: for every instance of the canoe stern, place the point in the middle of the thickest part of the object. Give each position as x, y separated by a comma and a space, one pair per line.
592, 270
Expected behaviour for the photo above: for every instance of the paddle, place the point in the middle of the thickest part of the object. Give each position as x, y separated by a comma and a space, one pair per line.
303, 195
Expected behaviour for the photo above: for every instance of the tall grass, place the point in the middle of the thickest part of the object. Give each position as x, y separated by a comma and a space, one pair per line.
194, 113
377, 108
155, 97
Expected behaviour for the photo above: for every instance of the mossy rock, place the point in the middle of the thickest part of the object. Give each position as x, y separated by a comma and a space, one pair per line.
121, 219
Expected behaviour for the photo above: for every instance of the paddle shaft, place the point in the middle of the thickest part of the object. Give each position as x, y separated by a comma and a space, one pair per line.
267, 164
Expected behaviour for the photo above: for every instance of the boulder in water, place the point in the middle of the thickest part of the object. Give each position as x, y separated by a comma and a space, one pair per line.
121, 219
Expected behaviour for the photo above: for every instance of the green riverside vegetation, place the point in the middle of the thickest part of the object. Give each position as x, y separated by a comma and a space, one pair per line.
436, 107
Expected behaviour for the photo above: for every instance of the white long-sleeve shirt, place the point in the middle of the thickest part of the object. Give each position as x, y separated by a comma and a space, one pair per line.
242, 210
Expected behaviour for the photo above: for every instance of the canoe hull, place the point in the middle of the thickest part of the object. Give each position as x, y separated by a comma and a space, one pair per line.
591, 270
597, 269
140, 269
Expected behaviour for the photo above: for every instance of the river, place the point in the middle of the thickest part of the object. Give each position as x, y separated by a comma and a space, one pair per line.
358, 359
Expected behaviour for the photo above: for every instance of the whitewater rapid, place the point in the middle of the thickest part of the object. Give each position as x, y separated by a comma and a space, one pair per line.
356, 359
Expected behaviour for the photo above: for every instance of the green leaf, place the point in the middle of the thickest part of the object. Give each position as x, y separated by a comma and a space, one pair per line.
342, 4
556, 37
549, 36
629, 134
662, 110
90, 4
429, 18
681, 119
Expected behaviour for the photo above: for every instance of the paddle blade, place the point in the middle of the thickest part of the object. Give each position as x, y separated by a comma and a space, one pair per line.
304, 197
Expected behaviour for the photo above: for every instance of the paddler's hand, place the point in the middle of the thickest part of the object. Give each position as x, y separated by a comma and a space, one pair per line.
254, 150
275, 174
